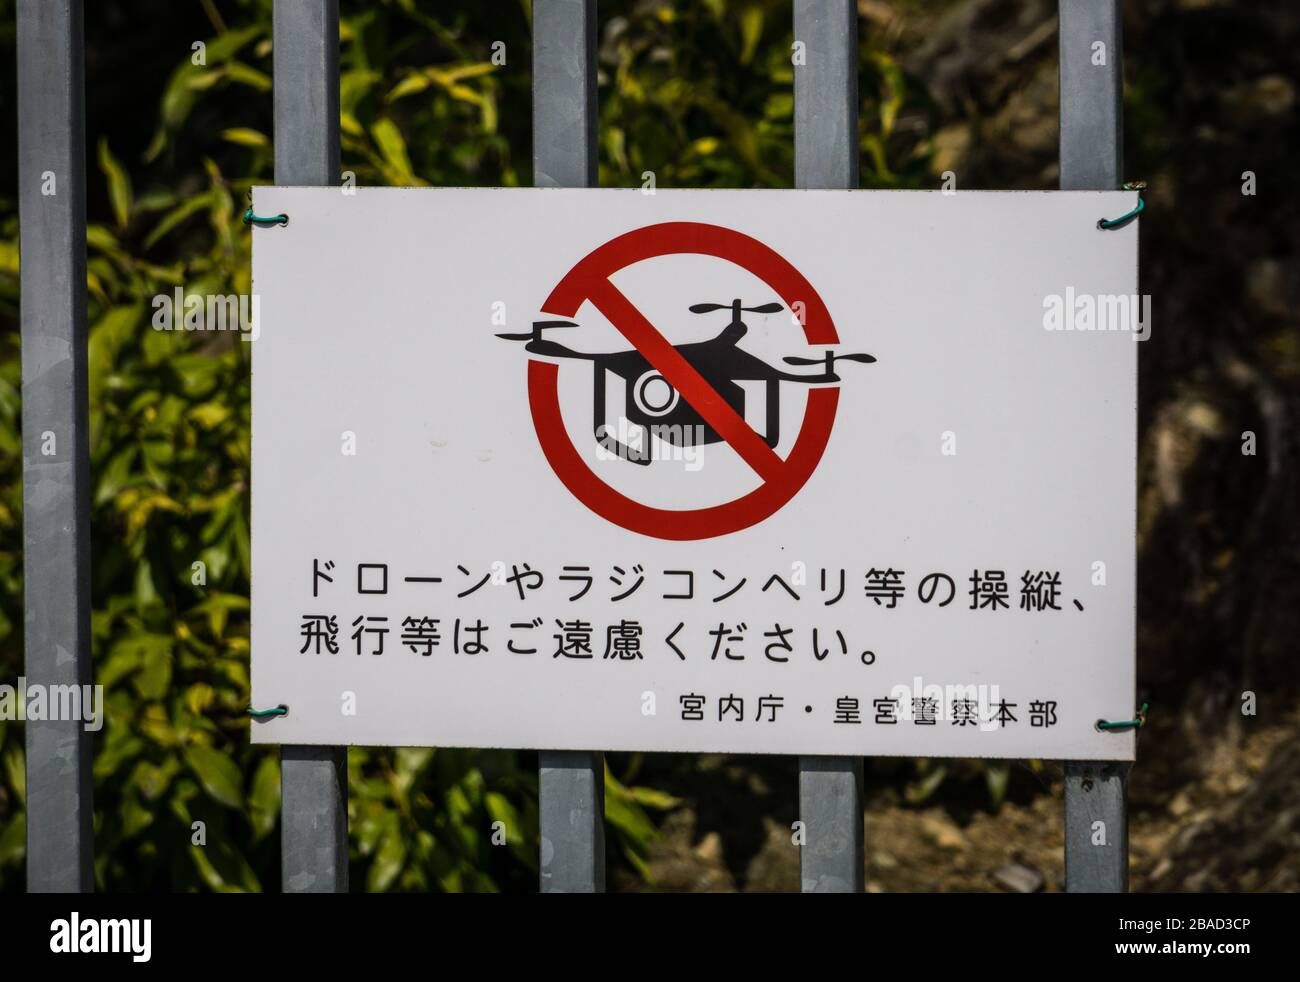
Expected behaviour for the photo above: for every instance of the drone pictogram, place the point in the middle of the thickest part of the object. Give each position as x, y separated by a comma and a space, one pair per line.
653, 405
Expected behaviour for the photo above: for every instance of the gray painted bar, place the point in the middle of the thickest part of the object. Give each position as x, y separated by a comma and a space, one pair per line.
1092, 95
1092, 152
1096, 827
826, 156
313, 780
571, 784
56, 455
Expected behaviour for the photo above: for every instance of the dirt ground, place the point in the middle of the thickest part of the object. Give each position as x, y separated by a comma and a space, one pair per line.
1225, 820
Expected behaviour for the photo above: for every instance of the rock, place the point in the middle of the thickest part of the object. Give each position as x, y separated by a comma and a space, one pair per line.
1180, 804
710, 848
940, 830
951, 149
1019, 878
883, 860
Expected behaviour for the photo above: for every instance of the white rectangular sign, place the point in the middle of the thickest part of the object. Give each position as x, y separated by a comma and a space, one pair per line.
802, 472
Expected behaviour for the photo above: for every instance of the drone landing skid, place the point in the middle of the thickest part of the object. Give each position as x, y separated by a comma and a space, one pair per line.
624, 451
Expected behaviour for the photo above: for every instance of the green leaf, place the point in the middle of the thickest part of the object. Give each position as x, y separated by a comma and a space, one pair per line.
264, 799
389, 859
119, 184
222, 868
245, 137
229, 43
354, 86
178, 215
187, 81
135, 817
15, 772
751, 30
410, 85
243, 74
155, 675
209, 415
918, 793
393, 149
108, 336
217, 773
13, 841
997, 775
653, 798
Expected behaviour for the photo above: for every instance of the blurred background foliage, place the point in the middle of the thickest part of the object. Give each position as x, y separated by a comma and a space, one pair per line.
699, 92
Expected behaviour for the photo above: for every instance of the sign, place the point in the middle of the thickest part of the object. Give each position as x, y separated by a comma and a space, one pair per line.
803, 472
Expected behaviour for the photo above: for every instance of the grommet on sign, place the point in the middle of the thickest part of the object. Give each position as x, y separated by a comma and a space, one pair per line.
1108, 224
265, 221
1125, 724
280, 710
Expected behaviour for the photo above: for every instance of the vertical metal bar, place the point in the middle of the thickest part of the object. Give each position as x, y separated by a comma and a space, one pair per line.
1092, 95
1096, 827
826, 156
306, 54
571, 785
564, 93
313, 780
830, 807
56, 455
1092, 150
826, 94
313, 819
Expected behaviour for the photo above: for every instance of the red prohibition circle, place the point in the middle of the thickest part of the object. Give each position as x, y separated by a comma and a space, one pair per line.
590, 280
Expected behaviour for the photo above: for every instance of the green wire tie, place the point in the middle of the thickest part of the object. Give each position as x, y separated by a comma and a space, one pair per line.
1112, 223
280, 710
1125, 724
264, 222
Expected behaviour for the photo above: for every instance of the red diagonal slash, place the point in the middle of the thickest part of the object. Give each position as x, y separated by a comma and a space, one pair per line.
590, 280
683, 377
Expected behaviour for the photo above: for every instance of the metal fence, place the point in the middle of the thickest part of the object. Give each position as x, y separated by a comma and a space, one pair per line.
56, 487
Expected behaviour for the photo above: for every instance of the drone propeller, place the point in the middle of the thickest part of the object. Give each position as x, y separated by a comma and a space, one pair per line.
538, 328
828, 361
708, 308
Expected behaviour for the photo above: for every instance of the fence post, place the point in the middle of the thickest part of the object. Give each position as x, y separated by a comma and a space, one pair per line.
1096, 827
826, 156
1092, 95
56, 454
313, 780
571, 784
1092, 149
